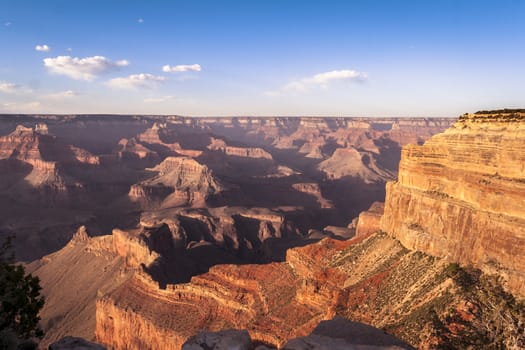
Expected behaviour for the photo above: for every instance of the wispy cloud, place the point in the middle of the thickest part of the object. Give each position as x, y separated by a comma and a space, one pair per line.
62, 95
140, 20
87, 68
134, 81
159, 99
181, 68
7, 24
12, 88
322, 80
43, 48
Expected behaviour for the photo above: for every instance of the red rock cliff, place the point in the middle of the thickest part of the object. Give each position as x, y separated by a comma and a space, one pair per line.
462, 196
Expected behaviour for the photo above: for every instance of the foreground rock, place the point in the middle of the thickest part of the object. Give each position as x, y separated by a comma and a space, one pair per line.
223, 340
335, 334
73, 343
342, 334
461, 196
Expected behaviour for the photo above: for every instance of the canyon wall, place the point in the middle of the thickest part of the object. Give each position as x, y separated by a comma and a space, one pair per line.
462, 196
423, 300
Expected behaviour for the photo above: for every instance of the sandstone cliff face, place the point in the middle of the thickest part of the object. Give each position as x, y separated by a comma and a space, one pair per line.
370, 221
462, 196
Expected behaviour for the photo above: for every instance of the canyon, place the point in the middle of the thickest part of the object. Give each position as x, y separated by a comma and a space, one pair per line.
105, 171
275, 225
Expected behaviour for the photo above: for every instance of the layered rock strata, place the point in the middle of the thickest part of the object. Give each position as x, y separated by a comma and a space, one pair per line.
370, 221
372, 280
462, 196
180, 181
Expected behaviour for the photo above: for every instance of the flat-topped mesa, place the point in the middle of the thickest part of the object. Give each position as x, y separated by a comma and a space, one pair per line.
244, 152
462, 195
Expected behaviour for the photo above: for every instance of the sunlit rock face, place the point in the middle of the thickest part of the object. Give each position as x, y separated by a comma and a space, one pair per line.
374, 280
462, 195
369, 221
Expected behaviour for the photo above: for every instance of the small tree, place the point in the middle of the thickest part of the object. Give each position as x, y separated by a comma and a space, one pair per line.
20, 302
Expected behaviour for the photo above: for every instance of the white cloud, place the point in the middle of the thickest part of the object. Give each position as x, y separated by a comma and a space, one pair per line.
322, 80
7, 24
9, 88
134, 81
82, 68
12, 88
43, 48
62, 94
140, 20
181, 68
159, 99
69, 49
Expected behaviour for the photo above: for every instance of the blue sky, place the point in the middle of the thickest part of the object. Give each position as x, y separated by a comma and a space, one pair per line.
255, 57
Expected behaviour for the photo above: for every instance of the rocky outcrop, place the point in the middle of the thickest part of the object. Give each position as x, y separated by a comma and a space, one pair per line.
74, 343
166, 140
223, 340
352, 163
462, 196
24, 144
341, 334
133, 247
370, 221
248, 233
313, 189
136, 154
37, 165
244, 152
335, 334
180, 181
